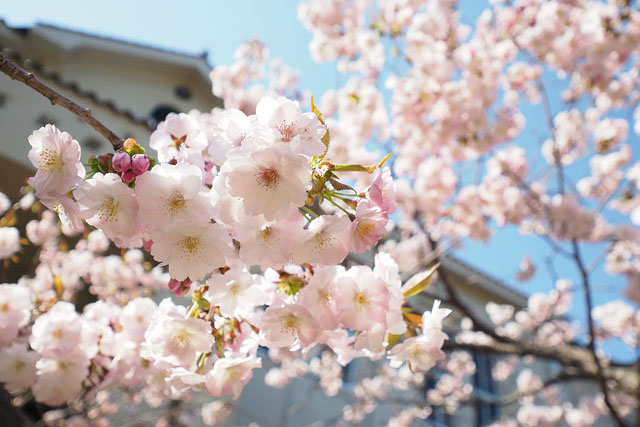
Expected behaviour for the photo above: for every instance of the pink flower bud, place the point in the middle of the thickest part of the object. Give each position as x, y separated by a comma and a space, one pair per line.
140, 164
183, 290
180, 288
121, 161
128, 176
174, 284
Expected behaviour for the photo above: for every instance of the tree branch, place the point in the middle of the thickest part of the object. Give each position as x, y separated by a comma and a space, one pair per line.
17, 73
513, 397
592, 346
568, 356
456, 300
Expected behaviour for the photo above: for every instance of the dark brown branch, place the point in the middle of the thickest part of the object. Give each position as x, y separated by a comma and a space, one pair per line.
566, 357
513, 397
457, 301
569, 356
17, 73
592, 346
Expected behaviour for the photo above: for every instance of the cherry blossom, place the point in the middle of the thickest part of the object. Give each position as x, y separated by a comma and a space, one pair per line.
270, 181
282, 325
56, 155
325, 242
171, 193
18, 368
230, 375
177, 136
171, 339
272, 222
9, 241
107, 203
191, 250
236, 292
302, 132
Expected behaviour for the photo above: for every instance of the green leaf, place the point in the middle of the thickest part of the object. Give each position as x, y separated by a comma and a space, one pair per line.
393, 339
360, 168
326, 137
341, 186
351, 168
58, 285
317, 112
418, 282
413, 318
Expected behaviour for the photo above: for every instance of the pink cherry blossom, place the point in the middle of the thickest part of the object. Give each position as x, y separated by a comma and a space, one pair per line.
60, 380
174, 340
367, 227
139, 164
178, 135
107, 203
282, 325
15, 310
318, 297
58, 332
230, 374
191, 250
287, 124
268, 243
236, 292
9, 241
363, 299
270, 181
423, 351
170, 193
382, 192
56, 155
326, 242
215, 412
18, 368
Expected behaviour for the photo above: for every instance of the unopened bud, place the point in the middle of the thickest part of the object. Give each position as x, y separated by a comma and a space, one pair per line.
128, 176
174, 284
180, 288
131, 146
121, 161
140, 164
103, 162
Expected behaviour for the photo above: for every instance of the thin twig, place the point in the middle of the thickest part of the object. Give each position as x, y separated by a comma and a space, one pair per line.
513, 397
17, 73
592, 345
457, 300
548, 114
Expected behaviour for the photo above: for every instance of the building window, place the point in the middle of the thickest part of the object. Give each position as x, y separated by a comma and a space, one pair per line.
162, 111
92, 144
183, 92
44, 119
483, 380
347, 373
438, 416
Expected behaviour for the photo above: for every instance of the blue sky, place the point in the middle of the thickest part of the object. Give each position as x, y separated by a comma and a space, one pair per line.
218, 27
215, 26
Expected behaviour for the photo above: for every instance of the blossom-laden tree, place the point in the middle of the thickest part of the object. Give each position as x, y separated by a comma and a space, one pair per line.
274, 216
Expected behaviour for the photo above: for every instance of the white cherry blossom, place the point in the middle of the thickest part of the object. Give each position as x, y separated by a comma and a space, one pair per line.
191, 250
271, 181
56, 155
108, 204
287, 124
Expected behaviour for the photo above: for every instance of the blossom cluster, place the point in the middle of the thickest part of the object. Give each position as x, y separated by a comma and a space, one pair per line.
251, 220
254, 211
